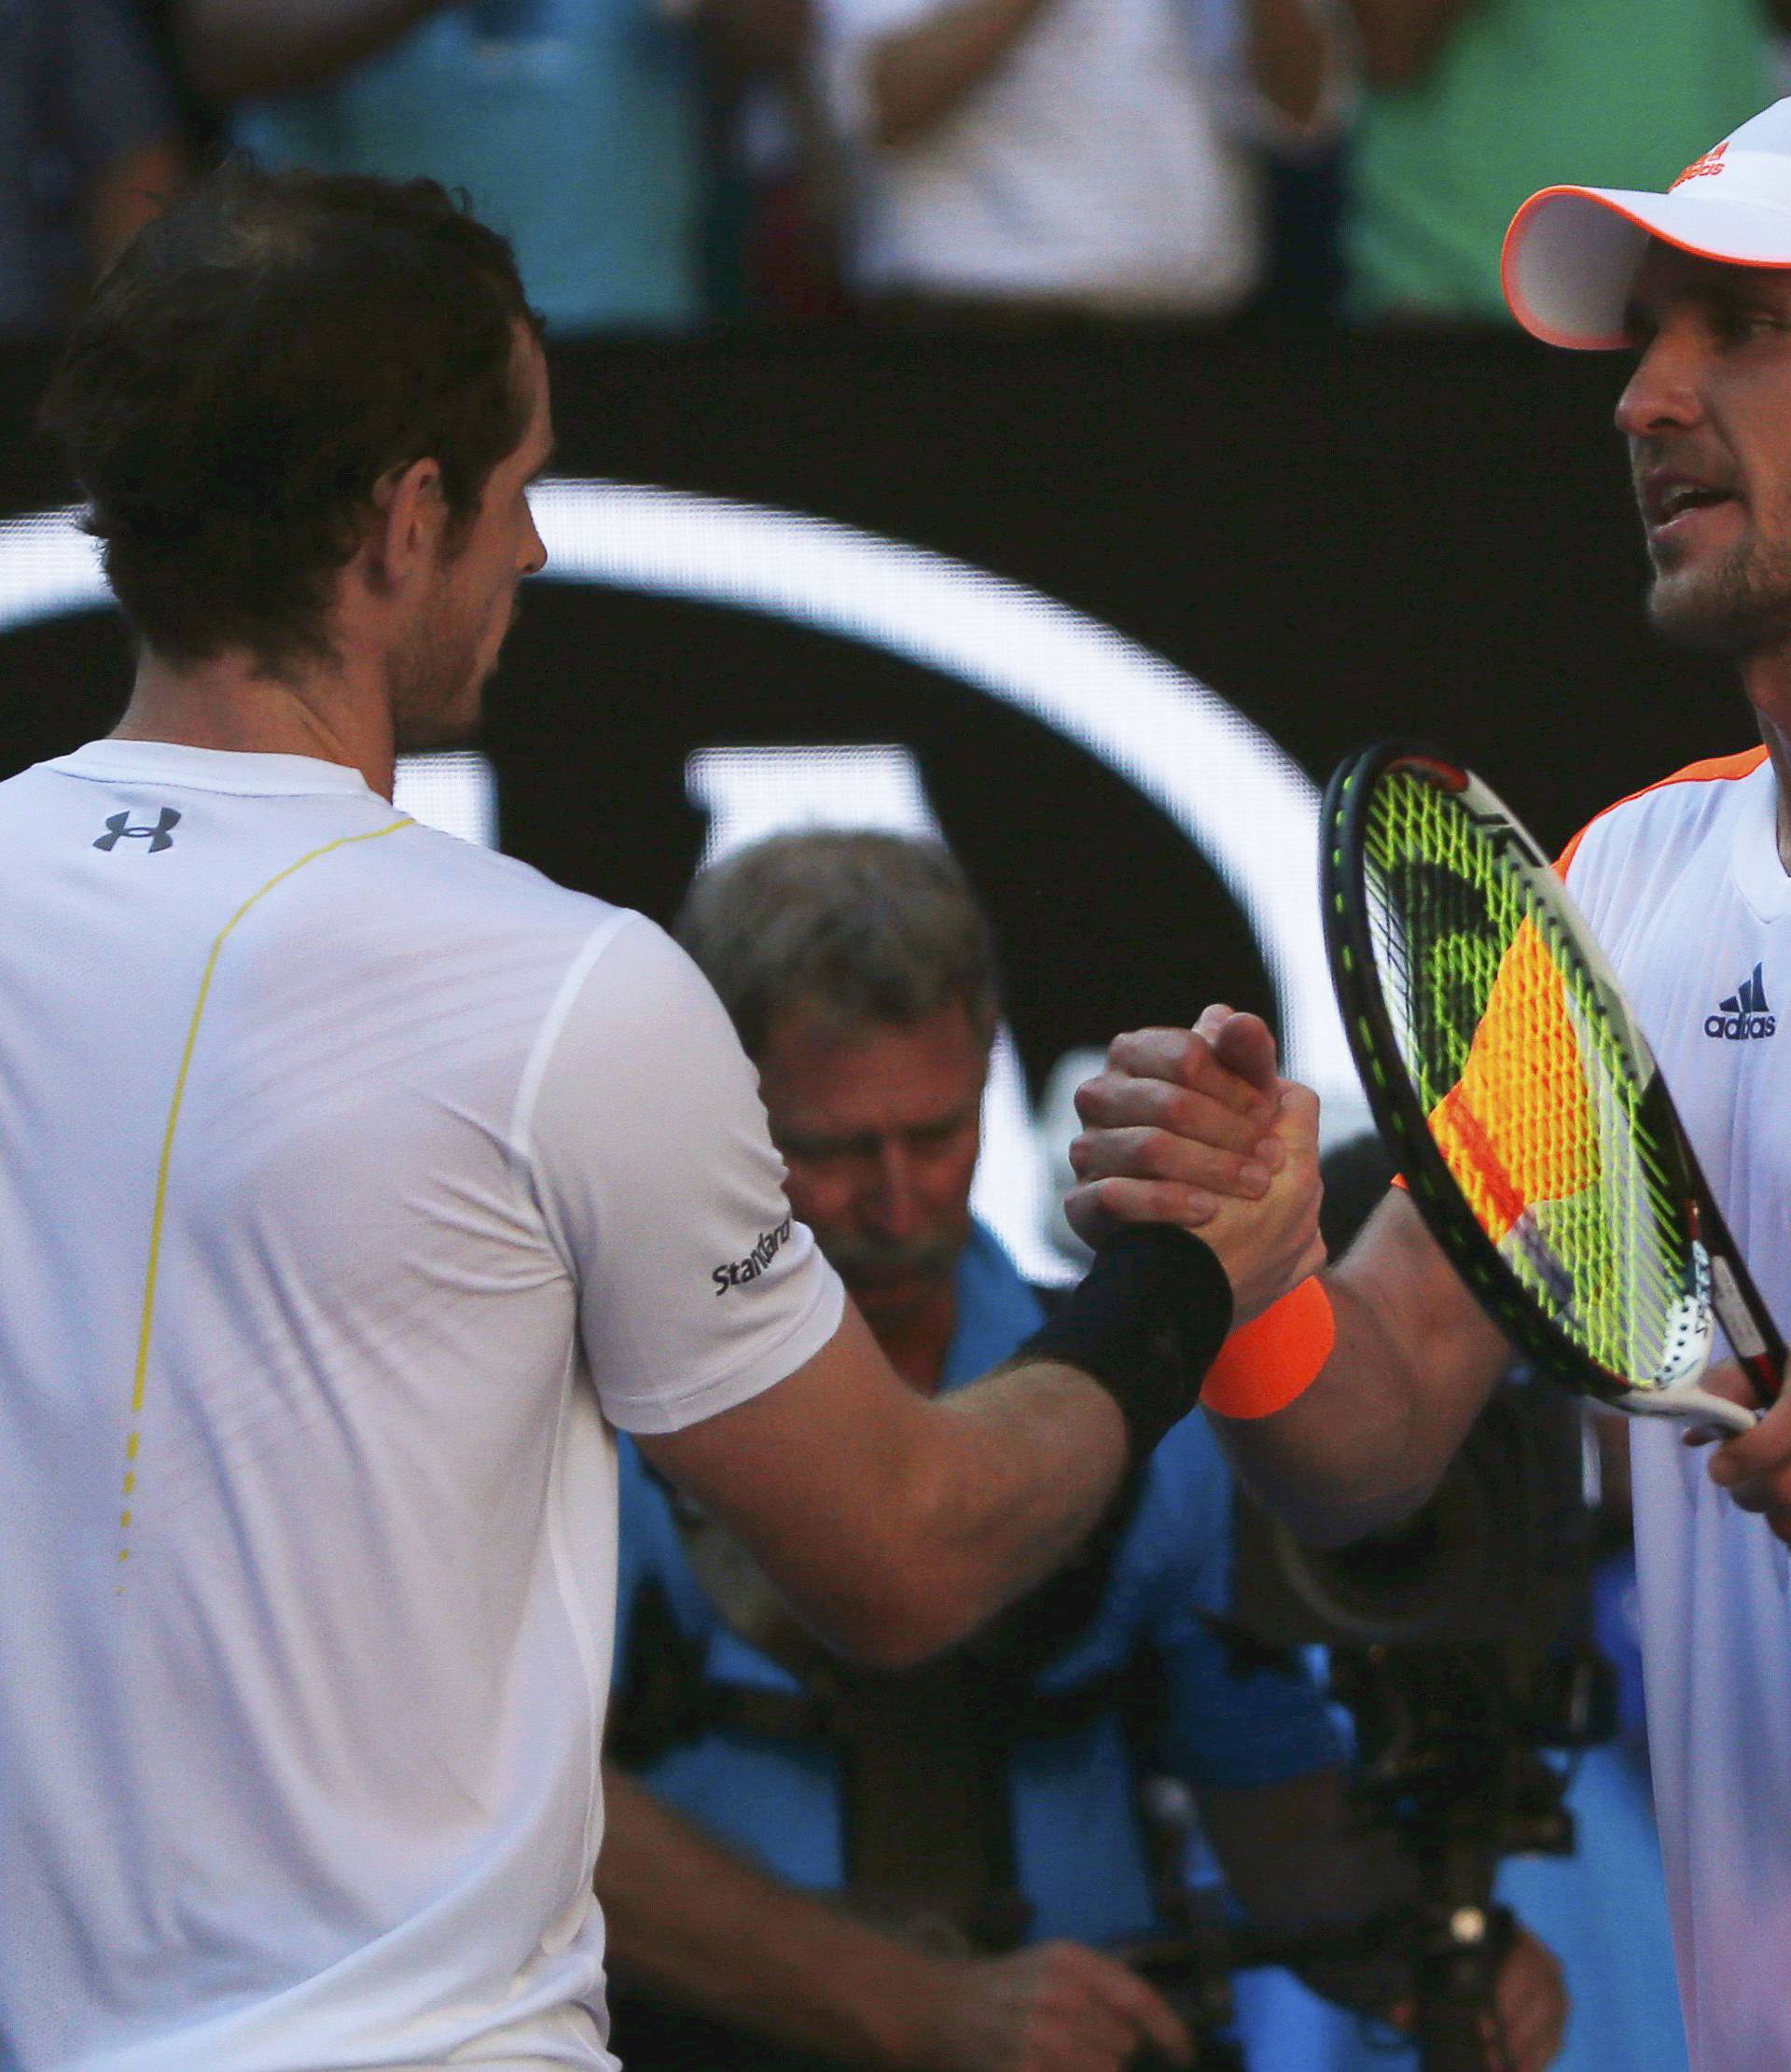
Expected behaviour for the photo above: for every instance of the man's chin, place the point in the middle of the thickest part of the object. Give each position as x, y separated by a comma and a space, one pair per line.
1711, 617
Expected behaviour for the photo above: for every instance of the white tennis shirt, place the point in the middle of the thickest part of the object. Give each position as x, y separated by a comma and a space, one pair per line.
1684, 888
354, 1180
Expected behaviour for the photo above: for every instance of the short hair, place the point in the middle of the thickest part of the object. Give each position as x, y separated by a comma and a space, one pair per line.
255, 362
863, 929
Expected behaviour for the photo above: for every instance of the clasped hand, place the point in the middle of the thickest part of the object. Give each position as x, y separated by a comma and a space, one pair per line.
1196, 1127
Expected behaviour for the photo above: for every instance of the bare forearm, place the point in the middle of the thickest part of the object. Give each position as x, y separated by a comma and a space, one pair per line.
1350, 1453
1401, 39
895, 1524
1290, 57
235, 49
1413, 1363
1005, 1480
1036, 1461
917, 77
695, 1924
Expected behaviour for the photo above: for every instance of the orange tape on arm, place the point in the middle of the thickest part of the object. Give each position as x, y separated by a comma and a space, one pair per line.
1264, 1365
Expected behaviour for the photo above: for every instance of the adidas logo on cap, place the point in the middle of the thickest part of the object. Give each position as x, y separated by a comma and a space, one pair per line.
1572, 251
1744, 1015
1706, 168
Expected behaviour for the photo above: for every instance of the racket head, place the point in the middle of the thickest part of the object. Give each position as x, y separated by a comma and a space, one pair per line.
1505, 1071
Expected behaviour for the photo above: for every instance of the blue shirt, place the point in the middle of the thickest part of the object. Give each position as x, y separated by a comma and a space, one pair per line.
1079, 1854
575, 127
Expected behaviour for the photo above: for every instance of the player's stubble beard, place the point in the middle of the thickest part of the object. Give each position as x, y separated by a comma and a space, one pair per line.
439, 685
1738, 606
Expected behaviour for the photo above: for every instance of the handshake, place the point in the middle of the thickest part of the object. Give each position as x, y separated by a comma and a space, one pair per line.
1195, 1127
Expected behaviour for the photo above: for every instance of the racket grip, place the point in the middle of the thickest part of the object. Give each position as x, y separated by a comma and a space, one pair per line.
1749, 1328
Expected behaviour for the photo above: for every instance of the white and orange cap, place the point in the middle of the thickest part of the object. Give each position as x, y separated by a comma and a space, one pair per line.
1571, 253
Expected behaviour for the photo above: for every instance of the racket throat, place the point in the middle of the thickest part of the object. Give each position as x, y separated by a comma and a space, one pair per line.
1690, 1405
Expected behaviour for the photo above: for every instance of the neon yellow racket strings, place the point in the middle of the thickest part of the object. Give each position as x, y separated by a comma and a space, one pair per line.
1534, 1099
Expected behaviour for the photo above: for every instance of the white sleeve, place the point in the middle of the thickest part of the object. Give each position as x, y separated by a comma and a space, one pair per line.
652, 1164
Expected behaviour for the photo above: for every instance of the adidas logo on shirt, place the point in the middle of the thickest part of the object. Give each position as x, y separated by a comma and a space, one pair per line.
1744, 1015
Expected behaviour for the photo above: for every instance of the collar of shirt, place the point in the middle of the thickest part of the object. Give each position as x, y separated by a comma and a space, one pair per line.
173, 762
996, 1310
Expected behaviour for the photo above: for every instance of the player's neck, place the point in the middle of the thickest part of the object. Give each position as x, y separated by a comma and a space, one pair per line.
1775, 731
324, 712
1766, 677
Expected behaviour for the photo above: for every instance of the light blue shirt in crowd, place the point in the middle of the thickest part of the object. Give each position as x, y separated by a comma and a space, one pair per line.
575, 127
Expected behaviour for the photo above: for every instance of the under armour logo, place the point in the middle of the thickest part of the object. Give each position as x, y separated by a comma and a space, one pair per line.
1702, 168
161, 836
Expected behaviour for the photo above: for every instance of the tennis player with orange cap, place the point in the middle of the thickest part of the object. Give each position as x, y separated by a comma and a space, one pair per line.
1346, 1399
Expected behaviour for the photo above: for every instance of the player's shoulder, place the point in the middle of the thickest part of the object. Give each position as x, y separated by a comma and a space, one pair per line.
486, 935
432, 872
479, 919
1680, 800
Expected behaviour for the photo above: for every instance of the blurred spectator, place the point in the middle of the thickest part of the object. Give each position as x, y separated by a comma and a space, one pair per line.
1473, 104
1095, 155
88, 149
578, 126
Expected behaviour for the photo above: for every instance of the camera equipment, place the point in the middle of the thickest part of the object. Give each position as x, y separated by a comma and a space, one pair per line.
1460, 1644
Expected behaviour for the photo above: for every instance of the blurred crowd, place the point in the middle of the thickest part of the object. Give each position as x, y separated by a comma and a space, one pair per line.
666, 165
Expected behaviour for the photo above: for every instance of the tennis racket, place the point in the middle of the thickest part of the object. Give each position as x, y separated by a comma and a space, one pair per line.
1507, 1074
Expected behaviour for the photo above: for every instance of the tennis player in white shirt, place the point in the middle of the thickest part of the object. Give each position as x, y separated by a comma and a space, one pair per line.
356, 1182
1365, 1382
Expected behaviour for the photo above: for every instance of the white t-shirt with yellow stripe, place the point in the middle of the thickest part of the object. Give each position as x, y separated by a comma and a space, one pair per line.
354, 1180
1684, 888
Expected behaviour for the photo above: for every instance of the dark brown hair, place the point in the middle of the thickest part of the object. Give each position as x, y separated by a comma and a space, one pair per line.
246, 372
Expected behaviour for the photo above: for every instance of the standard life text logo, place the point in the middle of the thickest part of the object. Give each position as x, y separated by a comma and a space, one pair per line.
1744, 1015
736, 1270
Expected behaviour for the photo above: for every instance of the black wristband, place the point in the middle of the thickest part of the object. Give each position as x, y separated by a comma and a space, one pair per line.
1147, 1323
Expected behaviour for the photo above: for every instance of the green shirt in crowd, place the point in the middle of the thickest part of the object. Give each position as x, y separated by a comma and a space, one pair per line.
1527, 94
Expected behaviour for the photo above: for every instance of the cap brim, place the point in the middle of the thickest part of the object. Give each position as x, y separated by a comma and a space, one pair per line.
1571, 253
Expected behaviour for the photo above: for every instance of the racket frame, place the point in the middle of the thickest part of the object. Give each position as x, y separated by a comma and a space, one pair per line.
1404, 1126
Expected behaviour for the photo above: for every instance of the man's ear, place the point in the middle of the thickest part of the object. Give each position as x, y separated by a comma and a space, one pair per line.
405, 532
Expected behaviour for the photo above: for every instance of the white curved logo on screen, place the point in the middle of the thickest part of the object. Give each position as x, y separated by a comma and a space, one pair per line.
1243, 803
